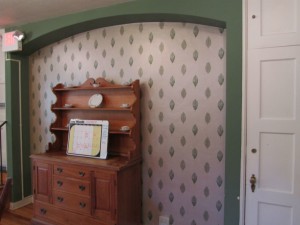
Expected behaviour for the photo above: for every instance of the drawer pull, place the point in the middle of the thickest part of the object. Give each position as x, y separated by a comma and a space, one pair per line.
43, 211
59, 170
60, 199
59, 183
82, 187
81, 173
82, 204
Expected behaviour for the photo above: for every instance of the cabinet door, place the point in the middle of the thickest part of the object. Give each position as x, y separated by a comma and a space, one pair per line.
42, 174
104, 196
273, 23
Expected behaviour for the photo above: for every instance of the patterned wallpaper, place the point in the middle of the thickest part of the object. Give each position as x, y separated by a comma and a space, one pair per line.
181, 67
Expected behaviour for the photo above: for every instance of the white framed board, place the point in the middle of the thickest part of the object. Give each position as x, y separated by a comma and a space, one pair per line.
88, 138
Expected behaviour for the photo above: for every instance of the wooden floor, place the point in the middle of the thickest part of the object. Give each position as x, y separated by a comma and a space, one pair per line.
20, 216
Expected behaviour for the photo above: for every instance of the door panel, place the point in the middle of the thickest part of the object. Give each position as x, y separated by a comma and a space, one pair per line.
273, 128
273, 23
42, 183
277, 83
104, 196
276, 174
274, 214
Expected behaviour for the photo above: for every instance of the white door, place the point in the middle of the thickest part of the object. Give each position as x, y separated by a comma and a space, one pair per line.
273, 23
273, 136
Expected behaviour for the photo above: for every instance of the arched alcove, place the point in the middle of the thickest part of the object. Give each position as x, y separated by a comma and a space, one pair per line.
181, 70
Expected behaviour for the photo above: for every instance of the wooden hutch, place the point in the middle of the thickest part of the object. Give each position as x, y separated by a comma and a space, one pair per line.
72, 190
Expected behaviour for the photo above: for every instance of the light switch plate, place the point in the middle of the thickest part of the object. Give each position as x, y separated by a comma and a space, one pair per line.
163, 220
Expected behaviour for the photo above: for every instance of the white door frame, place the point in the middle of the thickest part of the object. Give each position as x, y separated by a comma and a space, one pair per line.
245, 35
244, 117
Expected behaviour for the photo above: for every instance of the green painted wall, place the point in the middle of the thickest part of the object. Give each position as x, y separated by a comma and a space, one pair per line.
17, 85
13, 134
210, 12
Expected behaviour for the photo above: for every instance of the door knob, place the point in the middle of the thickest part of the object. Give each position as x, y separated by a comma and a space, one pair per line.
253, 182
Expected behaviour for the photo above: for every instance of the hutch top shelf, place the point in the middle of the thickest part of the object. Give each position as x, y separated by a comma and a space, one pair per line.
120, 106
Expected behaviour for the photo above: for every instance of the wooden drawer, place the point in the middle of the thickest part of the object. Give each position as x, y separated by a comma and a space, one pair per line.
73, 202
71, 171
47, 214
71, 185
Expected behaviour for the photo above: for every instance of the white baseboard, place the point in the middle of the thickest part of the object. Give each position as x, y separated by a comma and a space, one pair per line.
25, 201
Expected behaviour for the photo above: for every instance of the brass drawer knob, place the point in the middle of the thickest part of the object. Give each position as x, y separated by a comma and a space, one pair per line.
82, 187
60, 199
59, 170
82, 204
81, 173
59, 183
43, 211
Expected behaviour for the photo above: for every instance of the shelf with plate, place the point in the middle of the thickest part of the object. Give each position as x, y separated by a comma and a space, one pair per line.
114, 184
118, 104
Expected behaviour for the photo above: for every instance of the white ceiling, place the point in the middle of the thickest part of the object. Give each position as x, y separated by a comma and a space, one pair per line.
17, 12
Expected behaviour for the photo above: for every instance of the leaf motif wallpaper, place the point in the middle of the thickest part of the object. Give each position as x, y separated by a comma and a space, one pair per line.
181, 67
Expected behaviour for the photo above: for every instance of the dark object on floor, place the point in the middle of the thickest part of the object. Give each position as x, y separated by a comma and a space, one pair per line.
5, 196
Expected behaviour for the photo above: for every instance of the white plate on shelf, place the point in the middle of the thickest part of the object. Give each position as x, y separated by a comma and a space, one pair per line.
95, 85
68, 105
125, 128
71, 86
95, 100
125, 105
